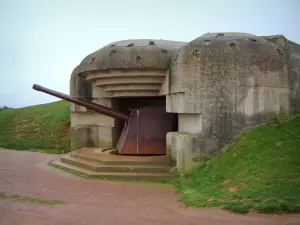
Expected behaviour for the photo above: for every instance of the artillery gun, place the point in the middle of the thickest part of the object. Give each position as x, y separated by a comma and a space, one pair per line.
144, 132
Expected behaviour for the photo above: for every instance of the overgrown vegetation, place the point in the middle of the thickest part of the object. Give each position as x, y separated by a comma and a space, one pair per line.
260, 171
36, 127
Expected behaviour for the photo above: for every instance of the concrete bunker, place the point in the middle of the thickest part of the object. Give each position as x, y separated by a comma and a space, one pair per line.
124, 75
217, 85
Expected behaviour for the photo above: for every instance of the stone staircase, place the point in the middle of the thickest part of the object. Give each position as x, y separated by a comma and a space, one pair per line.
105, 163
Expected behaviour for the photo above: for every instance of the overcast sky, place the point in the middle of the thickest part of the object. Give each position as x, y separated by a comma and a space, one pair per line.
42, 41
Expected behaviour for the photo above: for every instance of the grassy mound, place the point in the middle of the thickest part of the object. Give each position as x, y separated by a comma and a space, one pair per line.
260, 171
43, 126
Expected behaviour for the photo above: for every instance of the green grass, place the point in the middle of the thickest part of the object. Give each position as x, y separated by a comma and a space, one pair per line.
260, 171
36, 127
28, 199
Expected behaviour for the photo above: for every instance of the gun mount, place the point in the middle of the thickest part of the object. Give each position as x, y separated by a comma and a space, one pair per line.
144, 131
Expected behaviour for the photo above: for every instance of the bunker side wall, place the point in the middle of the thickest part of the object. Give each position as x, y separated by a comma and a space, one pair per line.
221, 86
88, 128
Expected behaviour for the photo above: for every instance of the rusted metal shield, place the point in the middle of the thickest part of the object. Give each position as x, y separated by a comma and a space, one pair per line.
145, 132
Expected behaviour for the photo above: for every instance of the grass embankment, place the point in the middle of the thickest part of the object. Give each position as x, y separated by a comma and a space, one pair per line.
260, 171
42, 128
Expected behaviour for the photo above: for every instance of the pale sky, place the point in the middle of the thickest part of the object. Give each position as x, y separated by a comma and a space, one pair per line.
42, 41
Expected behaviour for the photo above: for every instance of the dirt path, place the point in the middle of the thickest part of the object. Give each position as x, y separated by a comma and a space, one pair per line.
100, 202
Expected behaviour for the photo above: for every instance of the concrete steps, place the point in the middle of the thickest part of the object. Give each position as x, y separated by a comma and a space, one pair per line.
98, 167
123, 160
95, 163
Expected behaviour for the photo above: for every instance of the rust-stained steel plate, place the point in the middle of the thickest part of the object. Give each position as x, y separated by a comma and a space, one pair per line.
145, 132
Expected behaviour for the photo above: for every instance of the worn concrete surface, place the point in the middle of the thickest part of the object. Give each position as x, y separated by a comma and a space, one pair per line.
232, 80
219, 84
127, 68
183, 148
100, 202
130, 54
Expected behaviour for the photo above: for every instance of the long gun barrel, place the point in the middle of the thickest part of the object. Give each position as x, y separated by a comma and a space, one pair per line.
92, 106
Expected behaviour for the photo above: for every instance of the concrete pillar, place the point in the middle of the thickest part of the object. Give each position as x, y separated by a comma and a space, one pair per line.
184, 149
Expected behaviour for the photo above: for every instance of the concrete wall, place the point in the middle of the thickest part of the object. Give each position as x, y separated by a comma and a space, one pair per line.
228, 82
89, 129
294, 50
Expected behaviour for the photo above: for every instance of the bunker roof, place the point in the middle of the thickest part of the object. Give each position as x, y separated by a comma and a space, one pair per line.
130, 54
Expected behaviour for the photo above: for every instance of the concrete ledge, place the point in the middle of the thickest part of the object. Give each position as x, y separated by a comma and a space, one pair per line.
91, 118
